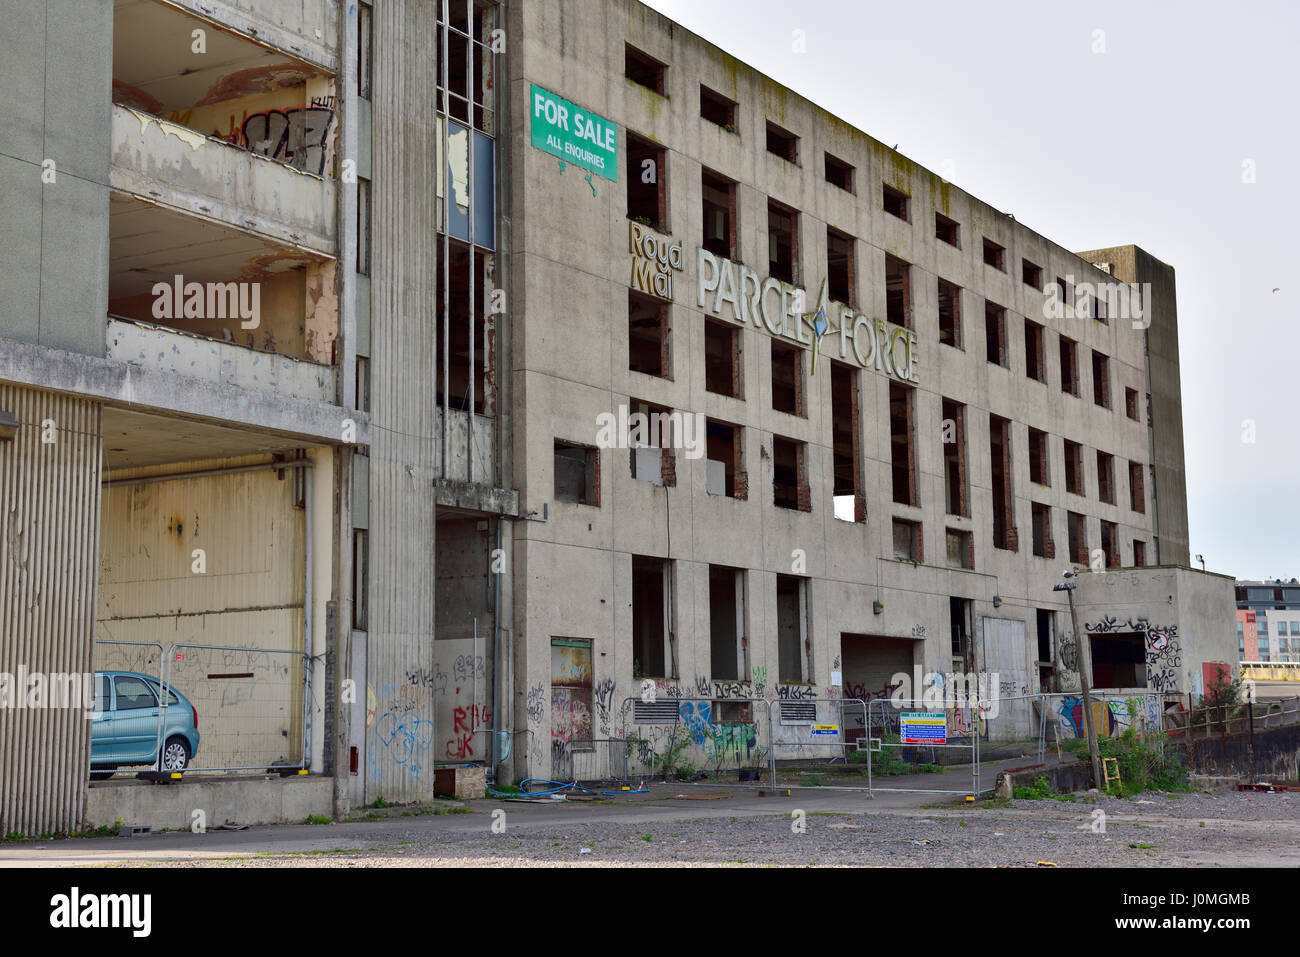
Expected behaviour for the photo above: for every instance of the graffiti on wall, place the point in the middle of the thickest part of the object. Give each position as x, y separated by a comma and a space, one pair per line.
1164, 650
603, 695
465, 722
536, 703
294, 136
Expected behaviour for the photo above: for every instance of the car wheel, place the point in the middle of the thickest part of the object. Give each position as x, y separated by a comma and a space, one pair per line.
175, 755
102, 773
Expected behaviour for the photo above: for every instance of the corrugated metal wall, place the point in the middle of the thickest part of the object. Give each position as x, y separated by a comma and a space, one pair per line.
400, 739
49, 549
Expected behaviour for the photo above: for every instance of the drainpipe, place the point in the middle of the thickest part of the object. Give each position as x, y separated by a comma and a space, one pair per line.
496, 665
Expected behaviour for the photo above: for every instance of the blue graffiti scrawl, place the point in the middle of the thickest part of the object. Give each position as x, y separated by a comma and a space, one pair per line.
698, 716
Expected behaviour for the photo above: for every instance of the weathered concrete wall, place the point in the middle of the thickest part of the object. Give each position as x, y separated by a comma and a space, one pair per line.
49, 527
240, 800
54, 150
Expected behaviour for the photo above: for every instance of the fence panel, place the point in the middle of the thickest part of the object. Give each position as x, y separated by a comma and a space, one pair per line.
250, 703
905, 728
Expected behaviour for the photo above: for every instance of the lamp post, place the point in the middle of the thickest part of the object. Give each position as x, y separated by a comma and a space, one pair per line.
1085, 678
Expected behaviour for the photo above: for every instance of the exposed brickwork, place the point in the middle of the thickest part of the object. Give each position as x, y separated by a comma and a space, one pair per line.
596, 482
668, 467
805, 492
742, 486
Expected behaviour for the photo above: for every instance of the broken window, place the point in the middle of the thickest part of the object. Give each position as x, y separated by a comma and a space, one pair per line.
1131, 403
783, 143
1069, 366
1110, 543
576, 473
722, 364
640, 67
1038, 460
651, 441
719, 206
793, 636
1119, 660
907, 540
787, 378
946, 230
1035, 365
898, 291
902, 408
1031, 274
724, 464
1106, 477
839, 173
790, 475
782, 241
1044, 547
651, 617
1004, 533
949, 314
470, 62
849, 497
647, 183
1077, 529
1073, 467
894, 201
463, 343
954, 458
960, 548
647, 335
1100, 379
994, 255
728, 646
1136, 490
995, 333
718, 109
840, 271
365, 36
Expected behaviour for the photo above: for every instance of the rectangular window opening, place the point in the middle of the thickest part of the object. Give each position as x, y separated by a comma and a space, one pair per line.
718, 109
787, 378
894, 201
724, 465
848, 492
839, 266
648, 335
722, 365
1039, 472
994, 255
719, 208
1035, 365
1069, 366
949, 314
1077, 528
1000, 457
1136, 490
1073, 467
960, 548
898, 291
651, 614
902, 442
1100, 379
647, 183
947, 230
907, 540
782, 143
1106, 477
995, 334
839, 173
640, 67
954, 458
1044, 547
728, 645
793, 635
782, 241
576, 473
790, 475
1031, 274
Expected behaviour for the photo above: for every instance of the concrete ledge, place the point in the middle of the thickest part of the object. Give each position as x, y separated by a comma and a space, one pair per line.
455, 493
1066, 778
227, 800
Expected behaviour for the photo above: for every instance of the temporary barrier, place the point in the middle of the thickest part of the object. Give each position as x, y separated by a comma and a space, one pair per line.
131, 657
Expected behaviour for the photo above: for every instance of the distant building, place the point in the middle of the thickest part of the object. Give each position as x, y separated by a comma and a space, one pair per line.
1268, 620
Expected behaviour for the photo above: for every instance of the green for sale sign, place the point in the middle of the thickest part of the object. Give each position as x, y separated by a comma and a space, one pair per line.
573, 134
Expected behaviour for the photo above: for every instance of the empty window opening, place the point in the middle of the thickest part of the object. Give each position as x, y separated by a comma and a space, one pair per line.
782, 142
1069, 366
363, 226
647, 183
894, 201
1100, 379
1077, 530
728, 647
1046, 651
1000, 457
839, 173
1073, 467
718, 109
946, 230
902, 409
722, 358
849, 497
1110, 543
1106, 477
365, 36
782, 240
840, 271
651, 440
724, 467
1131, 403
898, 291
1044, 547
1119, 660
959, 631
960, 548
576, 473
640, 67
790, 475
907, 540
949, 314
1035, 364
1031, 274
994, 255
954, 458
1065, 293
360, 578
651, 614
1136, 488
1039, 473
1139, 553
995, 333
787, 378
647, 335
466, 378
719, 207
793, 638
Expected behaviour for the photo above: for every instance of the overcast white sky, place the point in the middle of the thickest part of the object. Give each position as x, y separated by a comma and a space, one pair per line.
1143, 144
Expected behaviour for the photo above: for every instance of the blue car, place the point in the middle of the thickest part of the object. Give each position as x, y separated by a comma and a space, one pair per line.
125, 728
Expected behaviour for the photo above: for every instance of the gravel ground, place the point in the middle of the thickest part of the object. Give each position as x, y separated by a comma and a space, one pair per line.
1153, 830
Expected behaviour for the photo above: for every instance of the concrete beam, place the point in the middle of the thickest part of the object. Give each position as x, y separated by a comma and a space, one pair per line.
454, 493
123, 385
313, 40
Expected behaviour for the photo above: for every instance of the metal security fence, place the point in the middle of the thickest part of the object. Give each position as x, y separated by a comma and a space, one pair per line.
253, 705
682, 737
907, 728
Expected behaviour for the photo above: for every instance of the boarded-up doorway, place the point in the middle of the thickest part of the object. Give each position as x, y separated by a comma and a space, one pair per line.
570, 696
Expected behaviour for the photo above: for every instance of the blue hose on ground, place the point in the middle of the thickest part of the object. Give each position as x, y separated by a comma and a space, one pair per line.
559, 787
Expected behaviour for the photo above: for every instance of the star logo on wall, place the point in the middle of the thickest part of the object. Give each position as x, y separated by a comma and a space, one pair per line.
820, 325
